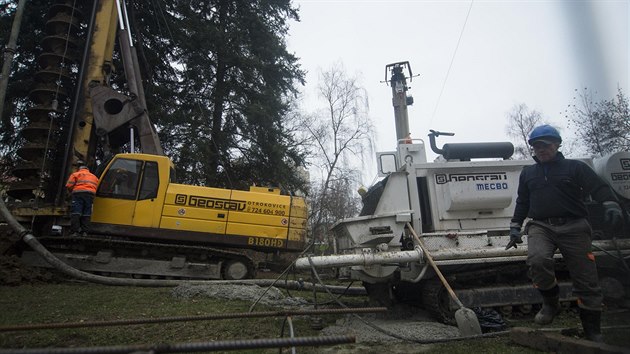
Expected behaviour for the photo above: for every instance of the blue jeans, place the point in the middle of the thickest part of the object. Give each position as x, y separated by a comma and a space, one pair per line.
82, 204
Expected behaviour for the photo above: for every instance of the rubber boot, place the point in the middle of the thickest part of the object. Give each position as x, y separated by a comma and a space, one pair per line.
85, 225
591, 323
75, 224
551, 306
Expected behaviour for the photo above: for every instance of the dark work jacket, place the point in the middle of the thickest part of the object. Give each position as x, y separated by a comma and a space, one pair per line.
557, 188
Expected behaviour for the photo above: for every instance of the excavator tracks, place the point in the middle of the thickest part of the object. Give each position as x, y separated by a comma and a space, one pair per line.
117, 257
436, 300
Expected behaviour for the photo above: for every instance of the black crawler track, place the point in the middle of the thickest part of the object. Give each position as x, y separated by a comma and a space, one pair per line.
91, 245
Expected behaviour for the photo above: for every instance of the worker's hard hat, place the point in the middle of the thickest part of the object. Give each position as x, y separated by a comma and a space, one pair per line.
546, 134
81, 164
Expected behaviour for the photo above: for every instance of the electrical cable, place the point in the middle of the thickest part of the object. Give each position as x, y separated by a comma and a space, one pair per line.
251, 308
451, 64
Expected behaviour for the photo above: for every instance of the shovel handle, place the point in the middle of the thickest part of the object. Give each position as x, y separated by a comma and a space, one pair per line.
435, 267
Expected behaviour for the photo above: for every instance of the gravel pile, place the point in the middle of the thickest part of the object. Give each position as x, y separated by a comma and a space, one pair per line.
270, 296
417, 329
406, 322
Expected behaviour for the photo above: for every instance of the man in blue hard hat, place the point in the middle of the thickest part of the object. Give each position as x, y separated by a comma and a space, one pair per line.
550, 193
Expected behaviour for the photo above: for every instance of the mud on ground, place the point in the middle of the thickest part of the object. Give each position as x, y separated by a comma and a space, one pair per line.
12, 271
406, 322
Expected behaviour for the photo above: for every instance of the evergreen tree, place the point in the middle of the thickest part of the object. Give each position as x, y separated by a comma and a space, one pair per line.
21, 76
219, 84
224, 70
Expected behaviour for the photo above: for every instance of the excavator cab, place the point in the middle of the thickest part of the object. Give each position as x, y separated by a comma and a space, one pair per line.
128, 190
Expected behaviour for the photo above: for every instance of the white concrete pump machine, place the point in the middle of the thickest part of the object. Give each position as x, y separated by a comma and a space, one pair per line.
460, 205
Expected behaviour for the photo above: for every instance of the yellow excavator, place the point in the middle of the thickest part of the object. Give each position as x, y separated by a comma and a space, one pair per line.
144, 224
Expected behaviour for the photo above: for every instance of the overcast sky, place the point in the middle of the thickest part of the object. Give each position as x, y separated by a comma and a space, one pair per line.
510, 52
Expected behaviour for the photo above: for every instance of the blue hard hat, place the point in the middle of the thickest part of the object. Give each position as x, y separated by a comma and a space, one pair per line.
545, 133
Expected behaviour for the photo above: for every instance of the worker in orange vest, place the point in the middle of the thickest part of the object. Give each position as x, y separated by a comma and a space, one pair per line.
82, 184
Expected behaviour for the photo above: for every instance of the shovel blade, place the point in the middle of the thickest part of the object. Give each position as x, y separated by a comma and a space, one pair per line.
467, 322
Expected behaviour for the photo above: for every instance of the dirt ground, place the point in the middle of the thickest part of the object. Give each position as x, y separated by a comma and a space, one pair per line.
372, 330
12, 271
80, 301
405, 321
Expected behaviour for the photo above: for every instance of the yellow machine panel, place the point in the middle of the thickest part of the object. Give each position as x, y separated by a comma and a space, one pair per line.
113, 211
135, 191
265, 217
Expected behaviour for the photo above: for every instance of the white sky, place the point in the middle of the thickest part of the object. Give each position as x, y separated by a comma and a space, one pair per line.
511, 52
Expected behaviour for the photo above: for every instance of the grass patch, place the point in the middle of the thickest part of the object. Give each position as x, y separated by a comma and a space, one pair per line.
53, 303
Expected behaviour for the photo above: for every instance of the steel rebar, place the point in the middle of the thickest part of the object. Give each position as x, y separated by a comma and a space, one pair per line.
194, 346
211, 317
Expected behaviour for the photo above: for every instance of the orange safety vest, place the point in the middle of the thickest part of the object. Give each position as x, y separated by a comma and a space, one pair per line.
82, 181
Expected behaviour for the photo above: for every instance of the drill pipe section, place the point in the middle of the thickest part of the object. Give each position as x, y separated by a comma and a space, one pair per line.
362, 259
442, 256
212, 317
499, 252
238, 344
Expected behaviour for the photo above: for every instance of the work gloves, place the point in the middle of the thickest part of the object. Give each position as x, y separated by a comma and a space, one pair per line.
612, 213
515, 237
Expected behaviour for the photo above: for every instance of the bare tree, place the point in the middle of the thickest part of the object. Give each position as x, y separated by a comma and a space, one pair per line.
341, 137
339, 201
603, 126
521, 121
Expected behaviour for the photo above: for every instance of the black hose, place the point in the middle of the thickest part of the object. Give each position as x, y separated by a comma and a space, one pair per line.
32, 242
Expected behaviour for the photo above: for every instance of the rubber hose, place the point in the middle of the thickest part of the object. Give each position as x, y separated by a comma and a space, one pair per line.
32, 241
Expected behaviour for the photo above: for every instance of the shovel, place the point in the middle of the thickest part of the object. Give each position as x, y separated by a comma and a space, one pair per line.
467, 321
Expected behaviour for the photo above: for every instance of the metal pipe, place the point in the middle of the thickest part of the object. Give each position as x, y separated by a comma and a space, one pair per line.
211, 317
236, 344
127, 57
364, 259
132, 147
130, 58
124, 6
121, 22
291, 332
444, 256
69, 147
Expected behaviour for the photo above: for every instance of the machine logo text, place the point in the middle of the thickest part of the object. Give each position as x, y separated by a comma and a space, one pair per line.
620, 176
210, 203
266, 242
491, 186
472, 177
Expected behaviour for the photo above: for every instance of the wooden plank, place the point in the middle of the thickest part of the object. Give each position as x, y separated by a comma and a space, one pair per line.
556, 342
